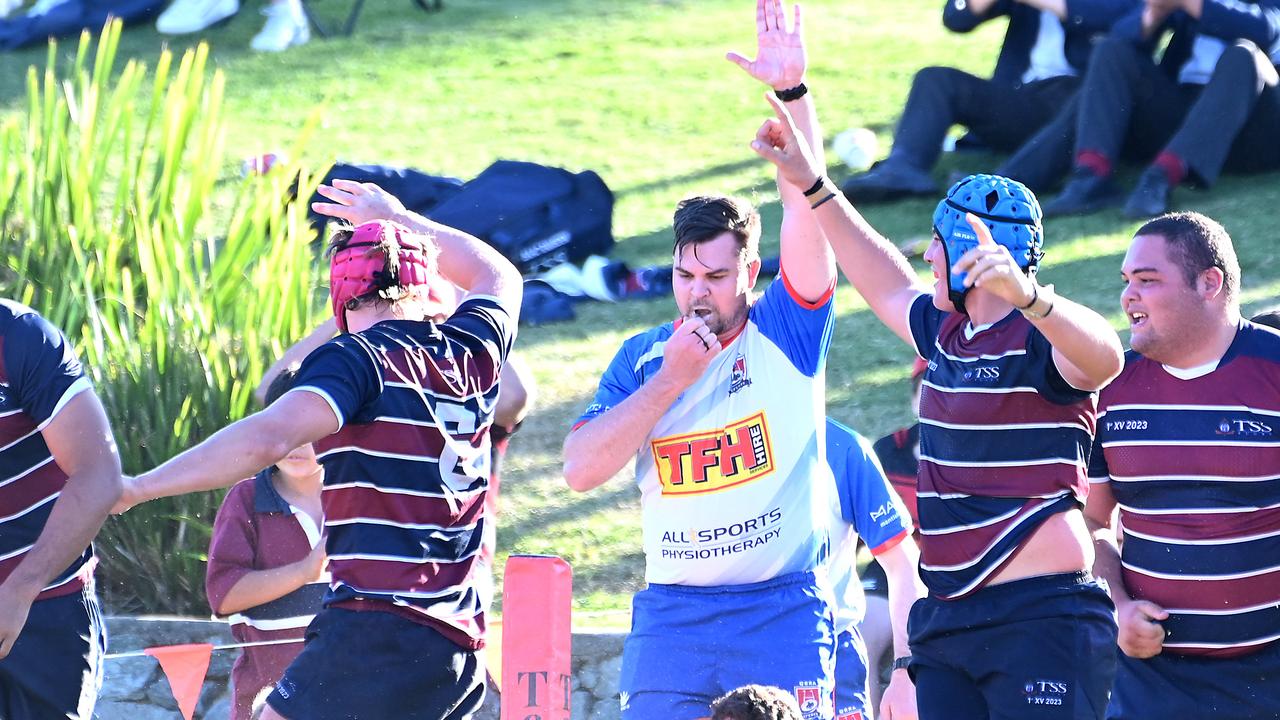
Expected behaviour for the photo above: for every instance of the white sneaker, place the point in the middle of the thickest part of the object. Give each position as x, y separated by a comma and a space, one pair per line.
188, 16
42, 7
285, 27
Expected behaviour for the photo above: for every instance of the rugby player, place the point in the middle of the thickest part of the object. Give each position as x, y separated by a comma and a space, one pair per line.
399, 407
1013, 620
1188, 449
59, 476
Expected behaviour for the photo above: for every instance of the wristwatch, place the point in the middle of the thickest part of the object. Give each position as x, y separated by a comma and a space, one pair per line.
902, 663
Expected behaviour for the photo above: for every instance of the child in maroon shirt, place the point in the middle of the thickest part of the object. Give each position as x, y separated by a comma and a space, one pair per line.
266, 564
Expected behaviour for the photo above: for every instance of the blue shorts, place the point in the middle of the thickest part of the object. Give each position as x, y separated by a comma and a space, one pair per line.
1176, 686
374, 665
689, 645
851, 676
1043, 647
55, 667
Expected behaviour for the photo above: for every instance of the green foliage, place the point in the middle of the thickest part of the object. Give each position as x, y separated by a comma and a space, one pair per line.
106, 189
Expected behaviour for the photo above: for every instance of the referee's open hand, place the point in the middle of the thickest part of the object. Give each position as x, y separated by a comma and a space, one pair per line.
688, 352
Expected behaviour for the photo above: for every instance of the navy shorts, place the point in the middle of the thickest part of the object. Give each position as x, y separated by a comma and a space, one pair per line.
1177, 686
55, 667
851, 676
1043, 647
375, 665
689, 645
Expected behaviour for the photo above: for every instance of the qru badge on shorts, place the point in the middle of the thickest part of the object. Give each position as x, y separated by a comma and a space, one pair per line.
809, 696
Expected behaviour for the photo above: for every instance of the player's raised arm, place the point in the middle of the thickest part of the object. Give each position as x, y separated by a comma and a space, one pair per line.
467, 262
877, 270
780, 63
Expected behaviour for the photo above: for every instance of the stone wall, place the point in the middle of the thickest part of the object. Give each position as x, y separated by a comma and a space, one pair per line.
135, 688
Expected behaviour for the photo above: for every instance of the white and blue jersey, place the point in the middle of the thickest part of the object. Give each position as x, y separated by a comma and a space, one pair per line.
735, 490
733, 478
868, 509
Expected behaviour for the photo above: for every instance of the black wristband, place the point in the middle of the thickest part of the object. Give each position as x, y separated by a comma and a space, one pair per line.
790, 94
818, 204
817, 185
1035, 295
902, 663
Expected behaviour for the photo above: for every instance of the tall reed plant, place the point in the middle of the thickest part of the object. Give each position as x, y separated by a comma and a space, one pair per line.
178, 286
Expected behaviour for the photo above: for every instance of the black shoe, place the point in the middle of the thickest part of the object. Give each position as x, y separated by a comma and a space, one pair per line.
1084, 193
889, 181
1151, 197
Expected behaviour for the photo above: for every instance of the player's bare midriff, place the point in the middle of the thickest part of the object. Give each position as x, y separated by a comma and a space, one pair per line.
1059, 545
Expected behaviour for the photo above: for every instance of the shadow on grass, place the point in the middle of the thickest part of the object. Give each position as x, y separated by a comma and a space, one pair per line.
511, 527
706, 173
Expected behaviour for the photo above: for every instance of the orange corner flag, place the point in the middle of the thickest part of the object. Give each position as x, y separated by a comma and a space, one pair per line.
185, 667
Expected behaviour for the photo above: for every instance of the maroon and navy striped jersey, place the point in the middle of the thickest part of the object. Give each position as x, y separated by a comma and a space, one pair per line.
1004, 444
1193, 460
407, 472
39, 374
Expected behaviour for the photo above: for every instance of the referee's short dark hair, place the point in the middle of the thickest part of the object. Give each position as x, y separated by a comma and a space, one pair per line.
1196, 243
704, 218
756, 702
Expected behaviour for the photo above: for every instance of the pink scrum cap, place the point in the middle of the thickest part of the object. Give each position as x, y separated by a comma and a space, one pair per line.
379, 256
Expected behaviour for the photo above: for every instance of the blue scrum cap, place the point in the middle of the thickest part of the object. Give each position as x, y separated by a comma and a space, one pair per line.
1007, 207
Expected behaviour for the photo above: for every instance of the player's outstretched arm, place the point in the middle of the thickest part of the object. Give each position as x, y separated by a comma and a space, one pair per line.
599, 449
237, 451
80, 440
466, 261
1141, 635
1086, 351
877, 270
899, 563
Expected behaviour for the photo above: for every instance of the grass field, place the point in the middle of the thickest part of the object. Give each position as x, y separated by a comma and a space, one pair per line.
637, 90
